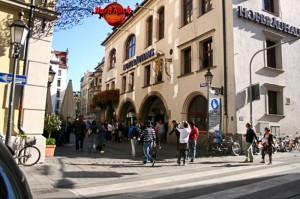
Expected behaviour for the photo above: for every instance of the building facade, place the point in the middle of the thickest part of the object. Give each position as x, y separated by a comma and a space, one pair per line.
159, 57
86, 93
30, 100
58, 63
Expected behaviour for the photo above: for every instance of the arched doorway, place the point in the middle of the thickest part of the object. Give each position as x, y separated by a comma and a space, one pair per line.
127, 113
197, 112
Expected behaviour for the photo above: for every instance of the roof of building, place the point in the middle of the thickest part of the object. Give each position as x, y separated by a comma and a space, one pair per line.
63, 58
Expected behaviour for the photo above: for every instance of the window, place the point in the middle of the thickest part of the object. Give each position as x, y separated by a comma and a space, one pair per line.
161, 23
187, 61
147, 76
57, 104
58, 93
207, 53
113, 85
130, 47
107, 86
123, 84
131, 82
187, 11
58, 82
205, 6
271, 54
269, 5
272, 96
149, 31
112, 59
59, 72
275, 98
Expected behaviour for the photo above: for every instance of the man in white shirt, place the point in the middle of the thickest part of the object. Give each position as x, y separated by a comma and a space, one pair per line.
184, 130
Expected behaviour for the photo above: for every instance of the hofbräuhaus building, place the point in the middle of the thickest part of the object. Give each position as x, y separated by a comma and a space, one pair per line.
159, 57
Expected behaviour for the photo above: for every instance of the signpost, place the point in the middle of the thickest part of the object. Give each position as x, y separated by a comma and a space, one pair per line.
7, 78
203, 84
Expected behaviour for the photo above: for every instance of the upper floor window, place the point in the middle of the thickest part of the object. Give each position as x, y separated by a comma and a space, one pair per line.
207, 53
272, 100
58, 82
147, 76
271, 54
131, 82
149, 31
58, 93
269, 5
187, 11
187, 61
107, 86
130, 47
123, 89
59, 72
161, 23
205, 6
113, 85
112, 58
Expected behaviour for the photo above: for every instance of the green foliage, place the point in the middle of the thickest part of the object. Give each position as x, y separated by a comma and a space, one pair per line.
51, 123
50, 141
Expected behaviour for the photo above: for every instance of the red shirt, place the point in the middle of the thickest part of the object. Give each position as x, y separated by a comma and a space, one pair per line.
194, 133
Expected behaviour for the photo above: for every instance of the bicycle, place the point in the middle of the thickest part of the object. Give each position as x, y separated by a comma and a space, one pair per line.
234, 146
216, 147
25, 151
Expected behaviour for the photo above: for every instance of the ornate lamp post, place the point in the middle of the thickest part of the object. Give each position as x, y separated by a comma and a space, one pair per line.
208, 79
19, 32
51, 76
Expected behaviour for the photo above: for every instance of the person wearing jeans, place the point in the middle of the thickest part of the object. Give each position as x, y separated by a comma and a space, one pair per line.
193, 141
184, 130
149, 138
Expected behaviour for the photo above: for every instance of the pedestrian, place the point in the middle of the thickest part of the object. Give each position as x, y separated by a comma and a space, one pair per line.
160, 127
193, 137
93, 136
149, 141
109, 131
80, 129
101, 136
250, 135
69, 130
134, 135
184, 131
267, 142
62, 131
174, 129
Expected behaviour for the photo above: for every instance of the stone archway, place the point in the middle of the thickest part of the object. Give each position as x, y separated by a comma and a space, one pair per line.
127, 112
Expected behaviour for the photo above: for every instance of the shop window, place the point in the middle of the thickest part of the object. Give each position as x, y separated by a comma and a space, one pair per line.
206, 49
161, 23
130, 46
123, 84
187, 61
187, 11
205, 6
149, 31
112, 59
147, 76
131, 82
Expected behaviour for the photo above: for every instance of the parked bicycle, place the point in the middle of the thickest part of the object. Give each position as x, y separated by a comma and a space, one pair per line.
233, 146
25, 151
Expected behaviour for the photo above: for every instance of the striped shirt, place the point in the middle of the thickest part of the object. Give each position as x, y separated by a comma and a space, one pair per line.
149, 135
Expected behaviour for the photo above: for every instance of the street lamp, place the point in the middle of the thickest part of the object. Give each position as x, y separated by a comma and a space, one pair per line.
51, 76
250, 71
19, 32
208, 79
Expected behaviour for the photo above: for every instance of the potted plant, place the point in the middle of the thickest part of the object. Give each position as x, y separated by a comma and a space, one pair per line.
52, 123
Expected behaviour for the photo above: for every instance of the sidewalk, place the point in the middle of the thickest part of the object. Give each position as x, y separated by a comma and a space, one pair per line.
71, 169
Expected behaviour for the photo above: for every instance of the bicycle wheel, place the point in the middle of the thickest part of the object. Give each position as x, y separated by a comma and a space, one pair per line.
218, 149
297, 147
29, 156
236, 149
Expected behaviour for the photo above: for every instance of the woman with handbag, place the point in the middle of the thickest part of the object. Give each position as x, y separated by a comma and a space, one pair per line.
267, 142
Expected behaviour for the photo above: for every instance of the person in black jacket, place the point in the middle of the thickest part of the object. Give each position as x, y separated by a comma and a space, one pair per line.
267, 142
174, 129
250, 135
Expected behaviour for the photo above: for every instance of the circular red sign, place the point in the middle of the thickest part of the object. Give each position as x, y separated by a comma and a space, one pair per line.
115, 14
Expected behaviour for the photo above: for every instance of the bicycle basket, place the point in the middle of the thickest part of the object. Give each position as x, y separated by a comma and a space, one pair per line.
30, 141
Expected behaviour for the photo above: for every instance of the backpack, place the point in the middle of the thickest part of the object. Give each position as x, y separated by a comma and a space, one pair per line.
134, 133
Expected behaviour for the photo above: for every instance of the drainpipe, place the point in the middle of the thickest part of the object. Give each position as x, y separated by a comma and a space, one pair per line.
225, 66
20, 117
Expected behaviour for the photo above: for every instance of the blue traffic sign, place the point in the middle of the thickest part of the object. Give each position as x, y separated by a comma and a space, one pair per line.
7, 78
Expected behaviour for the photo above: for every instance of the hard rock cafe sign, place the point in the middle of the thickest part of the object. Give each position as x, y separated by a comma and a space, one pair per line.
114, 13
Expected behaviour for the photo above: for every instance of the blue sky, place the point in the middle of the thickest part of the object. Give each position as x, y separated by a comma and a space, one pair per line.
84, 44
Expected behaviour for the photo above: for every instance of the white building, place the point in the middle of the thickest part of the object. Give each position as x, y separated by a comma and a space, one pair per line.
159, 56
59, 64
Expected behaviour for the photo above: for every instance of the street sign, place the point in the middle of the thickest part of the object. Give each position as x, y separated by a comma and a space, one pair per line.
203, 84
217, 90
7, 78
